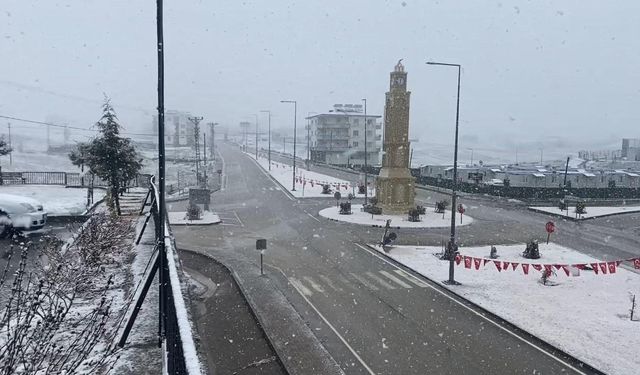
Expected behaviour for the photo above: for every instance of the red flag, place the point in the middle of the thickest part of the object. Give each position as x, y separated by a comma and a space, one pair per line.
612, 267
476, 262
565, 269
603, 267
457, 258
636, 263
467, 262
594, 266
557, 266
548, 267
514, 265
498, 265
537, 267
525, 268
579, 266
505, 265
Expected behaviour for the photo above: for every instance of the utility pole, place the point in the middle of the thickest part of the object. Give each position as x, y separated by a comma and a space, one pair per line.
196, 133
269, 112
256, 136
10, 149
204, 149
366, 186
295, 138
48, 137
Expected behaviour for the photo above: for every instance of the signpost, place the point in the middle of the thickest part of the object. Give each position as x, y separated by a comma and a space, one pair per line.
337, 196
550, 228
461, 210
261, 245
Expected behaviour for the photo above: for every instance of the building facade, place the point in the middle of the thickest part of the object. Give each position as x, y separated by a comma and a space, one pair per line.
631, 149
178, 129
395, 186
338, 136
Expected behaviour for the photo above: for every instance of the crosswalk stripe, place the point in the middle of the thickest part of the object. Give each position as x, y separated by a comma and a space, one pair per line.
411, 279
298, 285
364, 282
330, 283
397, 281
380, 281
313, 284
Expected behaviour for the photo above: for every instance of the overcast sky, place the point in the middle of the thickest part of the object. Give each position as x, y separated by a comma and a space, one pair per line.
566, 71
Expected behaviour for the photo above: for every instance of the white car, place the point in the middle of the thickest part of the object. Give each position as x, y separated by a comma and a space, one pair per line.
20, 213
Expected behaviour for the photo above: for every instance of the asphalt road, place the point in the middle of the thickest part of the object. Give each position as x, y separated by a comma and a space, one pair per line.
371, 315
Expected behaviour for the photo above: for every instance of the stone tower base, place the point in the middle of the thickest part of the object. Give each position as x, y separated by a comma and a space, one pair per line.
395, 195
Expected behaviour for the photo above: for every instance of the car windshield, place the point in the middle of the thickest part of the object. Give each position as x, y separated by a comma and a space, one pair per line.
319, 187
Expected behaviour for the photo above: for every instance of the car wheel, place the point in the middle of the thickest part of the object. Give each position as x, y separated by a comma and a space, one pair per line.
5, 225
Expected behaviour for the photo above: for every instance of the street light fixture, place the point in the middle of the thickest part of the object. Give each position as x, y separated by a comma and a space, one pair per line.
451, 250
366, 186
269, 112
295, 115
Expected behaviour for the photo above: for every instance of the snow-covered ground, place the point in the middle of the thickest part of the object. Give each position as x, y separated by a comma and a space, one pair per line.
429, 220
591, 212
586, 316
37, 161
57, 200
308, 183
180, 218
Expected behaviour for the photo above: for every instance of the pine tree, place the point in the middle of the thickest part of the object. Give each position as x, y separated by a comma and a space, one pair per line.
4, 147
109, 156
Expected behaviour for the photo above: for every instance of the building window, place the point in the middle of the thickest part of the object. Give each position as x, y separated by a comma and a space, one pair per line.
356, 121
355, 133
355, 144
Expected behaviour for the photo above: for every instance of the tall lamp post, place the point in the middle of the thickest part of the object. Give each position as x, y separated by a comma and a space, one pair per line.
269, 112
256, 136
451, 246
309, 140
295, 115
366, 186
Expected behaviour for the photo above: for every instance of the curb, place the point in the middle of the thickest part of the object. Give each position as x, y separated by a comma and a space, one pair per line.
551, 349
285, 190
280, 341
579, 220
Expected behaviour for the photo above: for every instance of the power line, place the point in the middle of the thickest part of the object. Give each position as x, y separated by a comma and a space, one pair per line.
66, 126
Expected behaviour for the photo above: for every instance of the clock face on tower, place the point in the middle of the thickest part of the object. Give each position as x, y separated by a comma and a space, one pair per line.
397, 81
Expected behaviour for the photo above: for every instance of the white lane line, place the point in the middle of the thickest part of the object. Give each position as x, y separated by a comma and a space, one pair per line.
268, 175
396, 280
330, 283
411, 279
314, 285
238, 217
352, 350
313, 217
379, 280
373, 252
299, 287
364, 281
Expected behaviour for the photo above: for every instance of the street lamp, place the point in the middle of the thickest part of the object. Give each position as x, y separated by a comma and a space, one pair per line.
295, 114
366, 186
269, 112
451, 246
256, 135
309, 140
471, 155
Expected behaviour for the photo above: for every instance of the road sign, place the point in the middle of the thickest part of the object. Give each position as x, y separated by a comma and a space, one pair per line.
261, 244
550, 227
461, 209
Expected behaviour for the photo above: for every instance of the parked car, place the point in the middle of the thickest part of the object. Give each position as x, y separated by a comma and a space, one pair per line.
20, 213
495, 182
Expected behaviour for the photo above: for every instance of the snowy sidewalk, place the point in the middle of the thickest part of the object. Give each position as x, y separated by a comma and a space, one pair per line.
591, 212
308, 184
429, 220
586, 316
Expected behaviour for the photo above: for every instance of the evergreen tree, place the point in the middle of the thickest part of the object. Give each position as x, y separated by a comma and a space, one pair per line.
109, 156
4, 147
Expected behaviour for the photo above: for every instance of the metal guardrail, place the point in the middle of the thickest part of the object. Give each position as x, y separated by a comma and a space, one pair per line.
73, 179
174, 329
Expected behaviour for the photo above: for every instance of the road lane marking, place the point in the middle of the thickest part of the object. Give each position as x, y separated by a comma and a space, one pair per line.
379, 280
299, 287
352, 350
411, 279
330, 283
313, 284
496, 324
396, 280
238, 217
287, 193
311, 216
364, 281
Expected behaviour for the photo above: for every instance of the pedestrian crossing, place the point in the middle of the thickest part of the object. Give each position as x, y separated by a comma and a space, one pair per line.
375, 281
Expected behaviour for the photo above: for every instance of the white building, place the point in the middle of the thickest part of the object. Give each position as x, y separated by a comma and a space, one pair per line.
631, 149
338, 136
178, 128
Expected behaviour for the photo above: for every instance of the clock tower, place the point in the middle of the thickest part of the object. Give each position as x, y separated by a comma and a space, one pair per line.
394, 185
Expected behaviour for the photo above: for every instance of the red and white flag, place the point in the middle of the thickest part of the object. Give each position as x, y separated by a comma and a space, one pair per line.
636, 263
505, 265
498, 265
457, 258
467, 262
566, 269
525, 268
537, 267
603, 268
514, 265
548, 267
594, 267
612, 267
477, 262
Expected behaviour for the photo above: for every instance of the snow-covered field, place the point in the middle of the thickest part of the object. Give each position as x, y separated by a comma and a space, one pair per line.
586, 316
591, 212
37, 161
57, 200
308, 183
428, 220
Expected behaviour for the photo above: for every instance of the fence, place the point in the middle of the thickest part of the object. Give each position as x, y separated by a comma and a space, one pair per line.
174, 329
72, 179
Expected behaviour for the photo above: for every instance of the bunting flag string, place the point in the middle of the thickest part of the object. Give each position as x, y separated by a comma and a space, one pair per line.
602, 268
